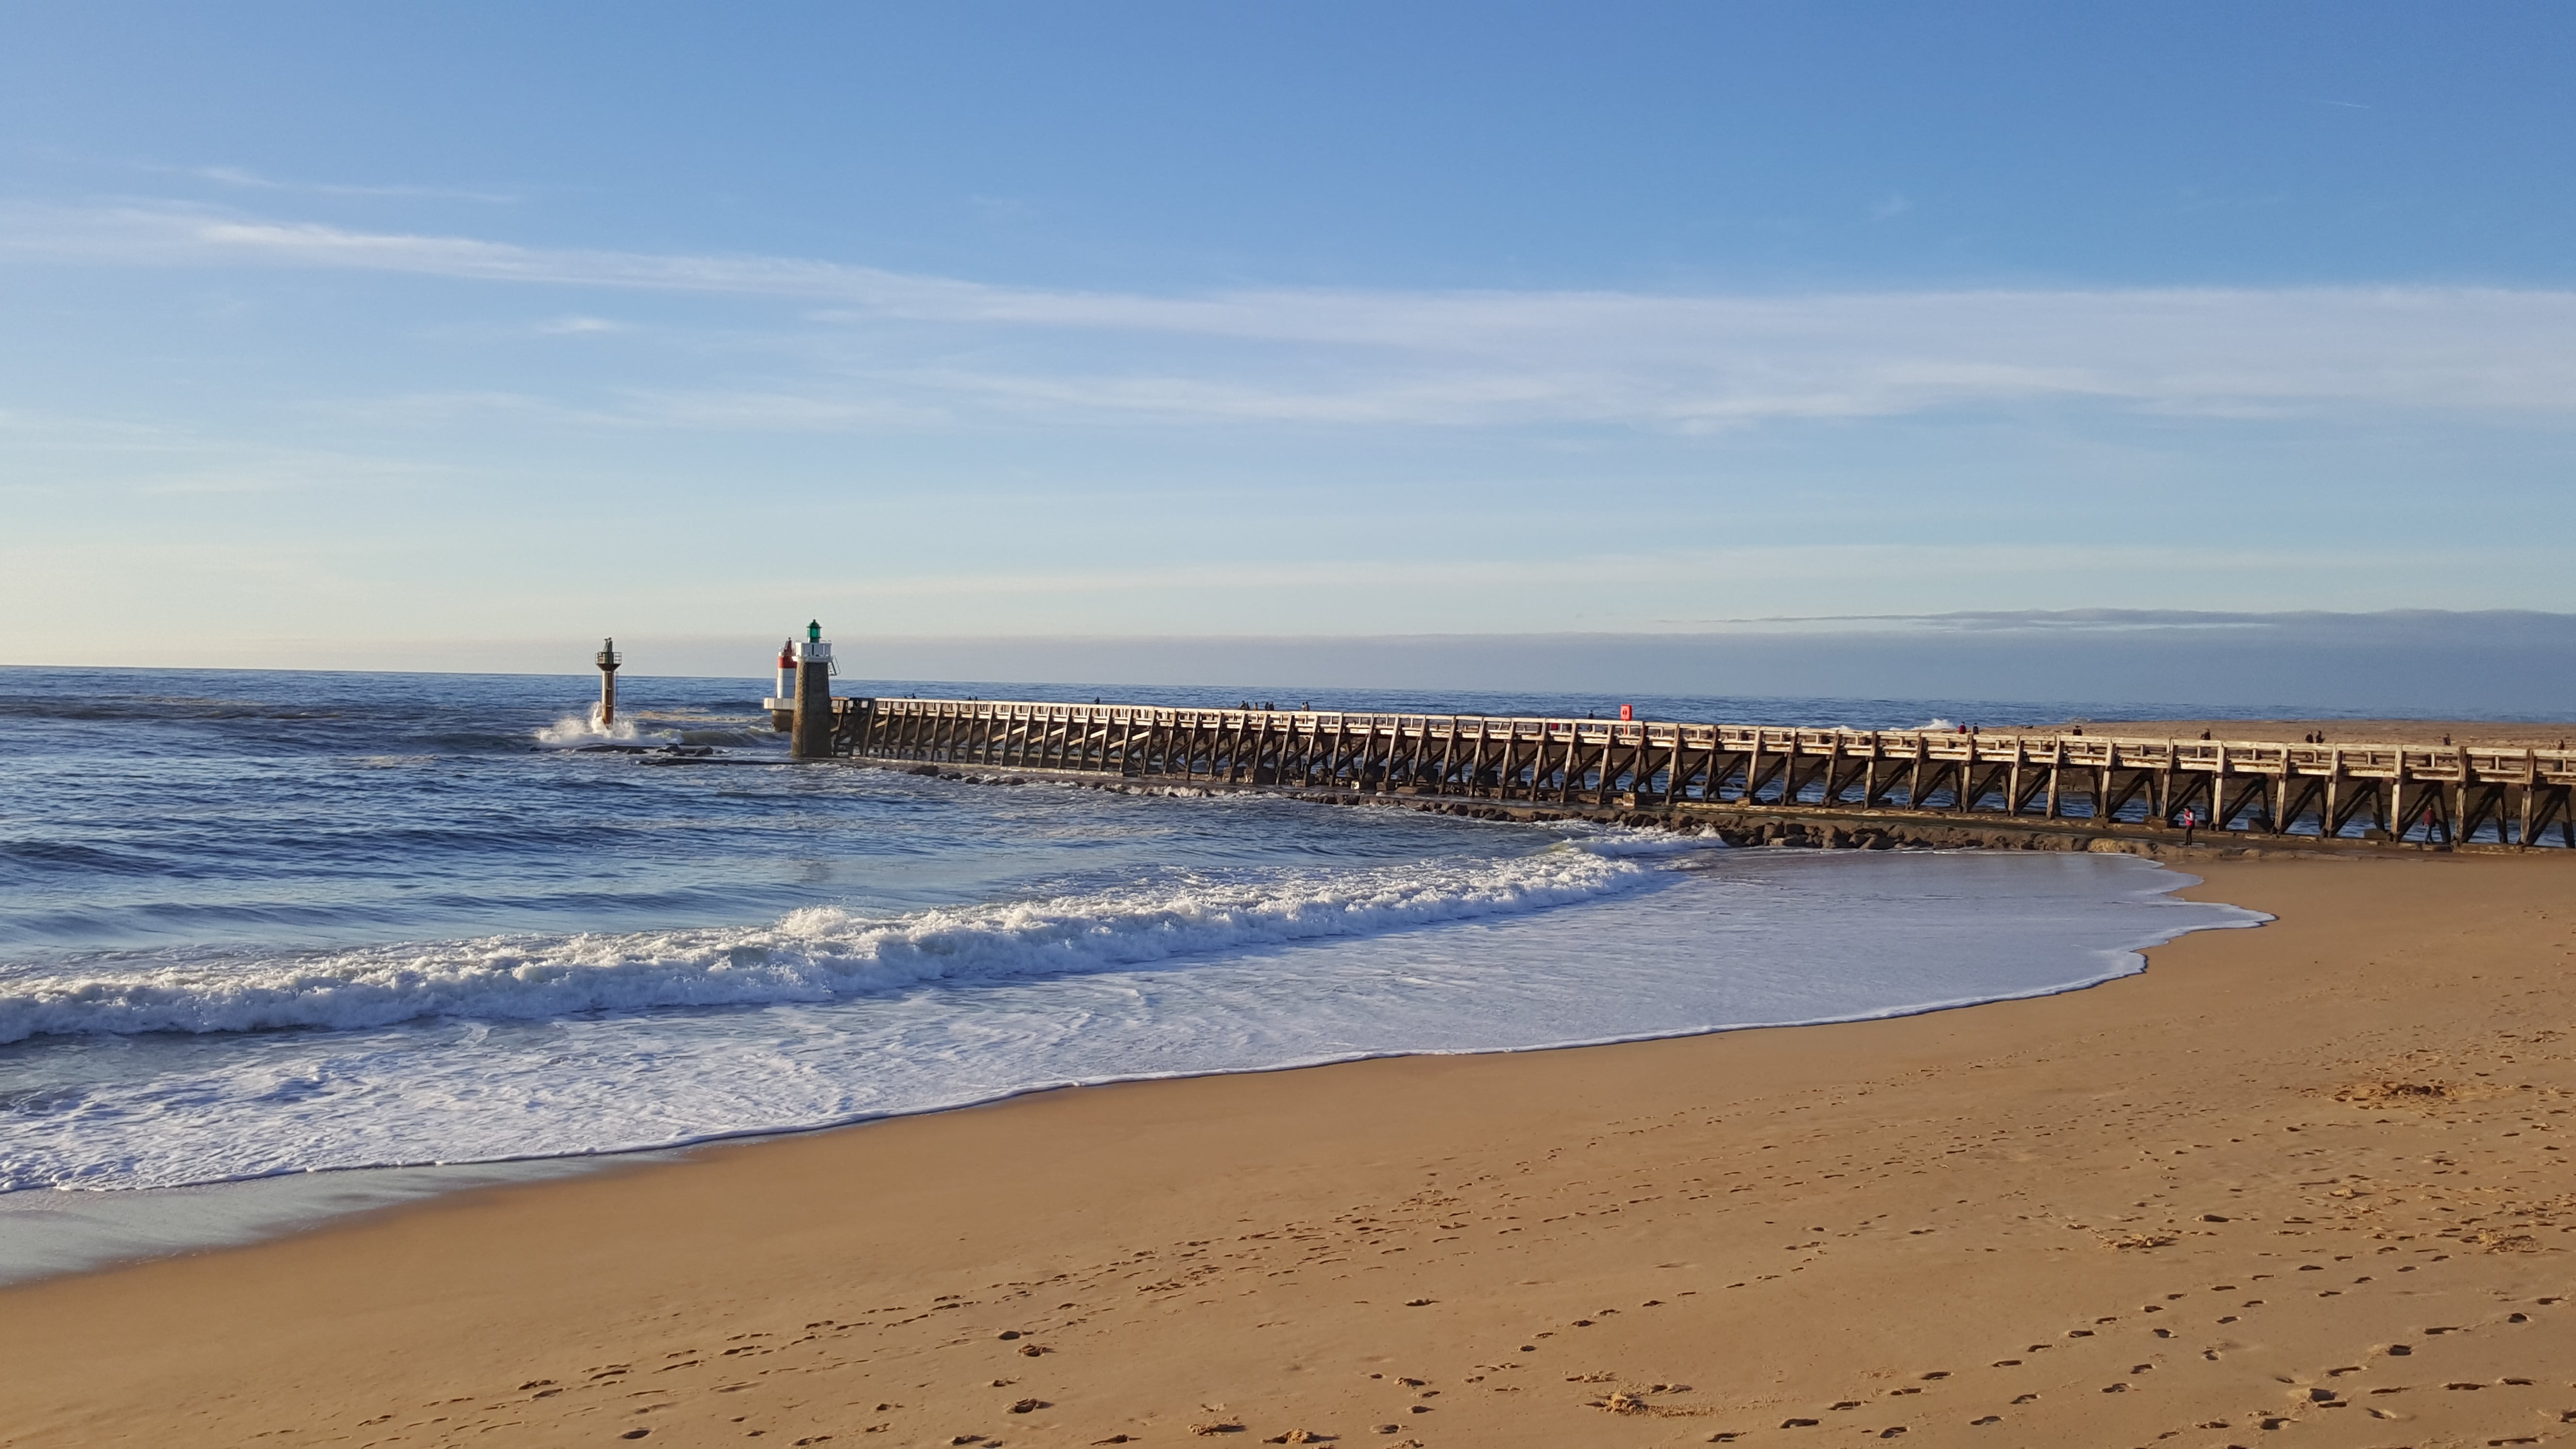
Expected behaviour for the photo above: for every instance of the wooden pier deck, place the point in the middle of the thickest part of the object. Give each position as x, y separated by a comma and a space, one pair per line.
2390, 795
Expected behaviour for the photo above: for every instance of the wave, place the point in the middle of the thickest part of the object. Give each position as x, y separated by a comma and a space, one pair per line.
29, 857
812, 955
157, 710
656, 728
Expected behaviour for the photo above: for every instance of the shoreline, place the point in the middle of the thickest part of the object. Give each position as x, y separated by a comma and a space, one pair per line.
50, 1233
2077, 1214
111, 1228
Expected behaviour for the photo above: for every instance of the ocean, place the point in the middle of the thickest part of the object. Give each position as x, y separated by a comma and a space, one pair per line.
276, 927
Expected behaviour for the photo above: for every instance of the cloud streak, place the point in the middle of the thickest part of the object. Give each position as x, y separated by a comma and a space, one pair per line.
1683, 361
236, 176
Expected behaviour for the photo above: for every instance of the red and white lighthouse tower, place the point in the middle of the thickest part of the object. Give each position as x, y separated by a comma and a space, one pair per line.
782, 704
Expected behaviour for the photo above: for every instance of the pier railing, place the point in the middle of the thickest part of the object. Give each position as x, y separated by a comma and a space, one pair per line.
2386, 792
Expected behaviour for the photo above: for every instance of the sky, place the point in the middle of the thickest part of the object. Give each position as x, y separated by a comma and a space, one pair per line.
355, 335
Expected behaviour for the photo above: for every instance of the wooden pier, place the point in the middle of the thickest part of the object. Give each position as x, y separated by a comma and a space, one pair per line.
2387, 795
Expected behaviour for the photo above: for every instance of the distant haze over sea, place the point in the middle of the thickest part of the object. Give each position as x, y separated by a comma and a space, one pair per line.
2434, 663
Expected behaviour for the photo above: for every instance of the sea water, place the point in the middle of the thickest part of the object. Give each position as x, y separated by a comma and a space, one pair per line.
265, 924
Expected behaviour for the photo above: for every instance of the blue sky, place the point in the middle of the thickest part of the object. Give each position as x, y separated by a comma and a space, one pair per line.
340, 332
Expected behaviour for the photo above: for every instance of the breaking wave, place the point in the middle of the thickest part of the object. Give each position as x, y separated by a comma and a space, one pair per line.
586, 729
811, 955
654, 728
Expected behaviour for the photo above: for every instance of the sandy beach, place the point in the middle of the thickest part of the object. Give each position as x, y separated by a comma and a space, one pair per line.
2305, 1184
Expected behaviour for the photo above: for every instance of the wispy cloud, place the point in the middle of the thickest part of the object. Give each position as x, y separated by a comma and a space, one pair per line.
1687, 361
236, 176
242, 470
1647, 574
644, 409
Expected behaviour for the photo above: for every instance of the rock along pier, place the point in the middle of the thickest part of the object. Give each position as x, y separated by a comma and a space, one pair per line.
1794, 786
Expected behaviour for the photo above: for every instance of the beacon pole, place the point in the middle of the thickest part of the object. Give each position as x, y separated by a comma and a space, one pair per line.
608, 662
812, 739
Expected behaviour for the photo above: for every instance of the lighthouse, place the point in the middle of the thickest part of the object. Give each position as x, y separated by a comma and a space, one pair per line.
782, 704
608, 662
811, 734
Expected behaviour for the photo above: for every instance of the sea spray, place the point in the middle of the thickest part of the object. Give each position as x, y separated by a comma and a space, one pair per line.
587, 730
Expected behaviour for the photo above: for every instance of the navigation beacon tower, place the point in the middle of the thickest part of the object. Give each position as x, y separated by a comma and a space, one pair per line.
608, 662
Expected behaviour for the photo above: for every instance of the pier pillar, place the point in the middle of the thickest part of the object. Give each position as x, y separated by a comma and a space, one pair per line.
812, 736
608, 660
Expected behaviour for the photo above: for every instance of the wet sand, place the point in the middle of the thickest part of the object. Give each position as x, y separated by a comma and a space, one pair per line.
2300, 1185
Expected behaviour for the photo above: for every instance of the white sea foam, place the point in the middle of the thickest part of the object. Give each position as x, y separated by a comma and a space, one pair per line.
813, 955
587, 730
1628, 843
655, 727
1747, 938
